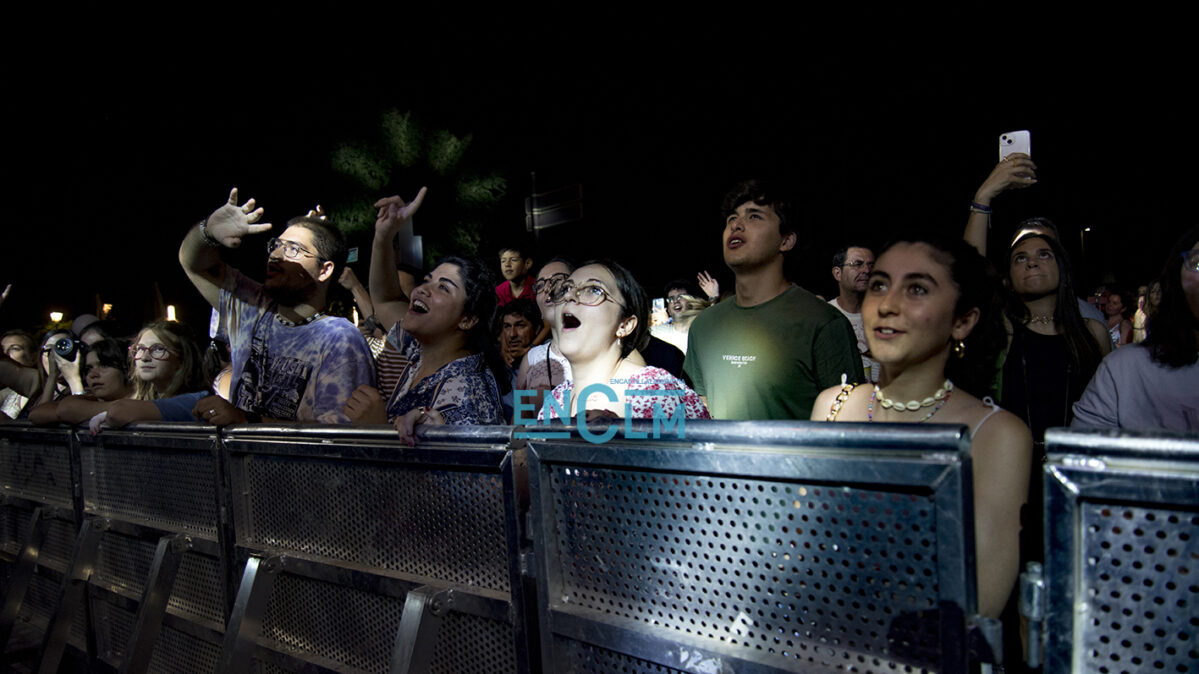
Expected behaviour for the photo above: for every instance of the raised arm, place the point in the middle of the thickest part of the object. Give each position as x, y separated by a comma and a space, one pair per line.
1015, 172
200, 253
349, 281
388, 298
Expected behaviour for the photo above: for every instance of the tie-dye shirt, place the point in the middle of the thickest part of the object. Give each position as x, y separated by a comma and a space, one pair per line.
296, 373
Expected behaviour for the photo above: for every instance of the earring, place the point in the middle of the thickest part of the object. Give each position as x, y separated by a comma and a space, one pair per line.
959, 349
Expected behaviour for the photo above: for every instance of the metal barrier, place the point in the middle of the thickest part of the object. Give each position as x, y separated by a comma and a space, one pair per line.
1122, 552
755, 547
364, 556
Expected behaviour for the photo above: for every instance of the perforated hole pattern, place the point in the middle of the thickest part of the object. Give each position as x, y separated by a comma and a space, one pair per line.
446, 526
198, 591
582, 658
1140, 585
176, 652
114, 627
41, 472
41, 600
468, 644
348, 626
174, 490
795, 575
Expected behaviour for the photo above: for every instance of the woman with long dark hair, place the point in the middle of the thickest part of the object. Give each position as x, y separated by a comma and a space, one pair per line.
1152, 385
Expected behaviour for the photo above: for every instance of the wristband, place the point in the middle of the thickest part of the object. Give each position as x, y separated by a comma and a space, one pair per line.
976, 207
206, 236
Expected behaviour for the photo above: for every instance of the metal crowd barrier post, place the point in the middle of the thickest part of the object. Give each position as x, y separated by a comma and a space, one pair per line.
39, 518
755, 547
1122, 552
366, 555
154, 566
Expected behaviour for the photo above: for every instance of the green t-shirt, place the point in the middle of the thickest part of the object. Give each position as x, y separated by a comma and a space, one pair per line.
770, 361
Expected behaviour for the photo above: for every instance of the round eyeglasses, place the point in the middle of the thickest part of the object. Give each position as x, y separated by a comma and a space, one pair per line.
291, 249
858, 264
588, 295
157, 352
549, 283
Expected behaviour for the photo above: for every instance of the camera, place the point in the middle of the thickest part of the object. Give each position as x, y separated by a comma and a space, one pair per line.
66, 347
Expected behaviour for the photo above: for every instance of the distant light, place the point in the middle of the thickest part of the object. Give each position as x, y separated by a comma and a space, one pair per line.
105, 310
56, 316
170, 312
1086, 229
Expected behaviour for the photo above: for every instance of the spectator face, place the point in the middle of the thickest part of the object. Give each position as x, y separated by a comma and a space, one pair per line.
294, 268
19, 349
1154, 299
513, 266
106, 383
1034, 270
435, 311
550, 277
752, 238
908, 310
153, 359
589, 332
1115, 305
855, 273
517, 332
675, 304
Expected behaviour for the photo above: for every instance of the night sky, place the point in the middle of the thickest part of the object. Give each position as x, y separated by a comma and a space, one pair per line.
112, 159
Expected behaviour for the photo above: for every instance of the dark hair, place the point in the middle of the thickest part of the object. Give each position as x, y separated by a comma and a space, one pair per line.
328, 238
762, 193
1039, 225
520, 307
189, 377
842, 255
30, 345
521, 249
560, 260
634, 303
1171, 339
478, 284
683, 284
109, 353
1127, 300
978, 285
1084, 352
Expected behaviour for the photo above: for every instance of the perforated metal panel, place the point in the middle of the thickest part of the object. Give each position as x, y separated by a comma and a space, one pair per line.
1139, 590
798, 576
41, 600
347, 626
439, 525
177, 652
113, 627
37, 466
124, 563
169, 489
468, 644
582, 658
58, 545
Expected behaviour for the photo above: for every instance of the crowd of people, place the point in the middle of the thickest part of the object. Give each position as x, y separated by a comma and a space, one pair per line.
926, 331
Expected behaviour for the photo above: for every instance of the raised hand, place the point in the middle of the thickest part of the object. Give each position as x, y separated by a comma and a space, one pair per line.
708, 284
349, 280
318, 213
229, 223
1017, 171
394, 212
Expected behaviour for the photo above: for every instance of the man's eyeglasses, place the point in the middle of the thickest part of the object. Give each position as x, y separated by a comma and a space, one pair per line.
1190, 260
157, 352
291, 249
548, 284
858, 264
587, 295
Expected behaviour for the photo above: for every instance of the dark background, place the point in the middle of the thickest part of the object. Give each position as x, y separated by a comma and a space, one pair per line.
115, 152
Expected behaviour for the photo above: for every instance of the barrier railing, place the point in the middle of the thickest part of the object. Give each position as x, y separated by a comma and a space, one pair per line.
754, 547
1122, 552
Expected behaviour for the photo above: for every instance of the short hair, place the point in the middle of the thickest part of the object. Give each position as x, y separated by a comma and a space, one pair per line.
762, 193
329, 240
842, 255
521, 249
636, 303
521, 307
560, 260
109, 353
1171, 339
189, 378
688, 288
30, 344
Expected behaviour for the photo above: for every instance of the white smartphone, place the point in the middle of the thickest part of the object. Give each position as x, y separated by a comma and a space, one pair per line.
1013, 142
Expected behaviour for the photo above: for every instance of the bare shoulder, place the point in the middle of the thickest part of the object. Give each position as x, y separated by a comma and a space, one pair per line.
1004, 432
853, 409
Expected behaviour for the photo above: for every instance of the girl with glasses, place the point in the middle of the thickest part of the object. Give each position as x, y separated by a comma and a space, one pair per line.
602, 318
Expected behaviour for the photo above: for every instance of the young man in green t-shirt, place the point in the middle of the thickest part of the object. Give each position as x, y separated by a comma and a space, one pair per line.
768, 352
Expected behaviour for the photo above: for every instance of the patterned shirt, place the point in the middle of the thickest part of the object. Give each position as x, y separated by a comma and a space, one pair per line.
296, 373
642, 406
463, 391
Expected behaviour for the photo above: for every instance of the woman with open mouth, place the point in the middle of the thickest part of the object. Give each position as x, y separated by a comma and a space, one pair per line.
603, 316
933, 322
